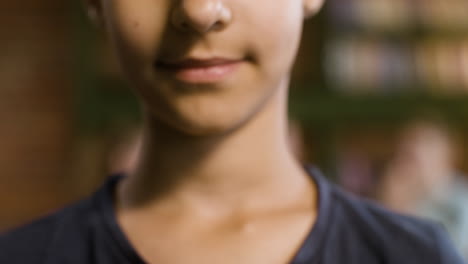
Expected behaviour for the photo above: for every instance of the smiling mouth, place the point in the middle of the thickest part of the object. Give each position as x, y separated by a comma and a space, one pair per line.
200, 71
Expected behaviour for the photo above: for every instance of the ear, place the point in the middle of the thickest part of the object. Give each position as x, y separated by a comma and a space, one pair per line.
311, 7
94, 10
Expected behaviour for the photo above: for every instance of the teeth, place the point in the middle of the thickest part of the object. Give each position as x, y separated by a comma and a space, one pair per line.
216, 70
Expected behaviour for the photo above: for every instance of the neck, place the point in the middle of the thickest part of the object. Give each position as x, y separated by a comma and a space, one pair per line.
238, 165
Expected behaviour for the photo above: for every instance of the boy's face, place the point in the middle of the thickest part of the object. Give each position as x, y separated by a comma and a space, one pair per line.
205, 66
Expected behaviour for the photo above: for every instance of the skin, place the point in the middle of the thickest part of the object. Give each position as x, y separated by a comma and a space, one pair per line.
215, 181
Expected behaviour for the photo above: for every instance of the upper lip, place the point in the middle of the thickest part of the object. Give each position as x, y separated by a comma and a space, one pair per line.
195, 62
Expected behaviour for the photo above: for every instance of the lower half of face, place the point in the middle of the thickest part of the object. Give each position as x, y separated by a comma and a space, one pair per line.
206, 83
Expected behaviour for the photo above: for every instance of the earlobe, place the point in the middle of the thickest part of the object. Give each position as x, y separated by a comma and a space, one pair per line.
311, 7
93, 9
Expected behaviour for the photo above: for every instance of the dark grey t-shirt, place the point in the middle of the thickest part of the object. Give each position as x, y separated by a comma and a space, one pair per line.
348, 230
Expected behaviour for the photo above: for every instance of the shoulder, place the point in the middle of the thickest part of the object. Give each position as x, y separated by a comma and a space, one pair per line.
399, 236
30, 243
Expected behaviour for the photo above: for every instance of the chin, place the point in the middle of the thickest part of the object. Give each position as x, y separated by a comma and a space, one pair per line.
202, 123
207, 113
214, 126
197, 130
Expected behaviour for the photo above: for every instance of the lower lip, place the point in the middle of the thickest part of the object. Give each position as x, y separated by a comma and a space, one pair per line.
205, 75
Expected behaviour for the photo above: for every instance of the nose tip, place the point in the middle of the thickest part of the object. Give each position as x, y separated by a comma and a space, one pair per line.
201, 15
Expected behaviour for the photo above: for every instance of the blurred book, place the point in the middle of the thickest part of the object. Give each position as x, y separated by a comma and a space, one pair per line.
386, 46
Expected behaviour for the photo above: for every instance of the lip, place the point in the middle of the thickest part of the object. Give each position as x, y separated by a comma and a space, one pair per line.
199, 71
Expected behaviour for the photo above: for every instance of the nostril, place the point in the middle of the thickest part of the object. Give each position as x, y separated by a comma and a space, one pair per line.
218, 25
201, 15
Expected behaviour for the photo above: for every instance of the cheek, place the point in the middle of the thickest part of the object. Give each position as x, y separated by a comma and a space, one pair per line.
136, 27
277, 32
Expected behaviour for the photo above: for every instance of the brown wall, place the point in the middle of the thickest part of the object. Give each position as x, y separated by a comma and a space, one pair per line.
35, 107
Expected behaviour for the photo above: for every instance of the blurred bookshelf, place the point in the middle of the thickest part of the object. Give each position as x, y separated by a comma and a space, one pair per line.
397, 46
383, 63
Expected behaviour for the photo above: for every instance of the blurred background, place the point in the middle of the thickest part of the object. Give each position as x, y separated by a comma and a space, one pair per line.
379, 103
